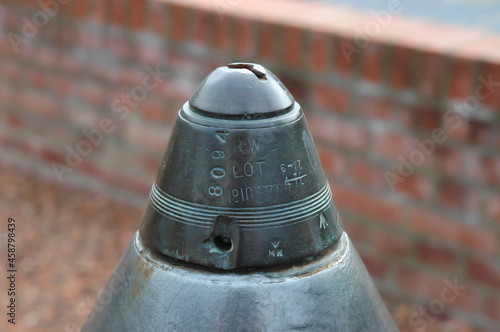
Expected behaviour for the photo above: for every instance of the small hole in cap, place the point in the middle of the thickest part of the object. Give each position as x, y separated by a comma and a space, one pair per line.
258, 70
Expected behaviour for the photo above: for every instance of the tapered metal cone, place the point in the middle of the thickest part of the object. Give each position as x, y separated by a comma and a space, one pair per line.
240, 233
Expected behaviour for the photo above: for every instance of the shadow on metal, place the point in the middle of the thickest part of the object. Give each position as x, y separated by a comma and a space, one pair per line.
241, 232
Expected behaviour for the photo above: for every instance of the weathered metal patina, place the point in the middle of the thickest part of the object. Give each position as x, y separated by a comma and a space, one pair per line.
241, 232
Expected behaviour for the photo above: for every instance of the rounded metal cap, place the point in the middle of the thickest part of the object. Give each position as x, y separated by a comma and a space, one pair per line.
241, 184
241, 89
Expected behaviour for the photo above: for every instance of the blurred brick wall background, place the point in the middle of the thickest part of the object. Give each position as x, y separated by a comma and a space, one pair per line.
441, 221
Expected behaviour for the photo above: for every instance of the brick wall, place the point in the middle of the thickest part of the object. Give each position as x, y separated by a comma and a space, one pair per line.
410, 105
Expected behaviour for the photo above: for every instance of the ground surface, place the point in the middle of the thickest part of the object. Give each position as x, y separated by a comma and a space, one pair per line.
68, 242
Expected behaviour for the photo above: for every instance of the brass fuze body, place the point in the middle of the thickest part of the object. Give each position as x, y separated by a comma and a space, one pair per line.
241, 232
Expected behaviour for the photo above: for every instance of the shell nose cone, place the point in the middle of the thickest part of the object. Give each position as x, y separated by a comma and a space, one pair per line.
235, 191
241, 89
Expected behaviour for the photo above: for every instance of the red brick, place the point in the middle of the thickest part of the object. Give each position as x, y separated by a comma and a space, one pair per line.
473, 165
452, 193
375, 266
81, 8
320, 51
11, 70
222, 34
91, 168
296, 85
357, 231
490, 169
267, 40
150, 54
416, 185
156, 17
293, 46
345, 54
403, 115
38, 79
153, 111
393, 144
201, 26
83, 117
449, 160
121, 48
333, 162
47, 57
178, 22
60, 134
152, 136
138, 12
370, 205
6, 47
461, 78
338, 131
129, 76
494, 207
89, 40
139, 186
39, 103
101, 10
453, 231
436, 256
65, 37
105, 73
51, 156
70, 64
335, 99
458, 131
481, 132
93, 93
26, 51
484, 272
244, 42
7, 92
490, 72
431, 74
15, 120
468, 299
493, 306
366, 173
118, 179
392, 244
15, 145
11, 22
375, 108
171, 90
401, 67
118, 10
477, 239
426, 119
171, 111
372, 62
146, 161
65, 9
420, 283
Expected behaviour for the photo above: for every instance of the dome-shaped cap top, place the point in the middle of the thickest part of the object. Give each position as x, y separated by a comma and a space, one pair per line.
241, 89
